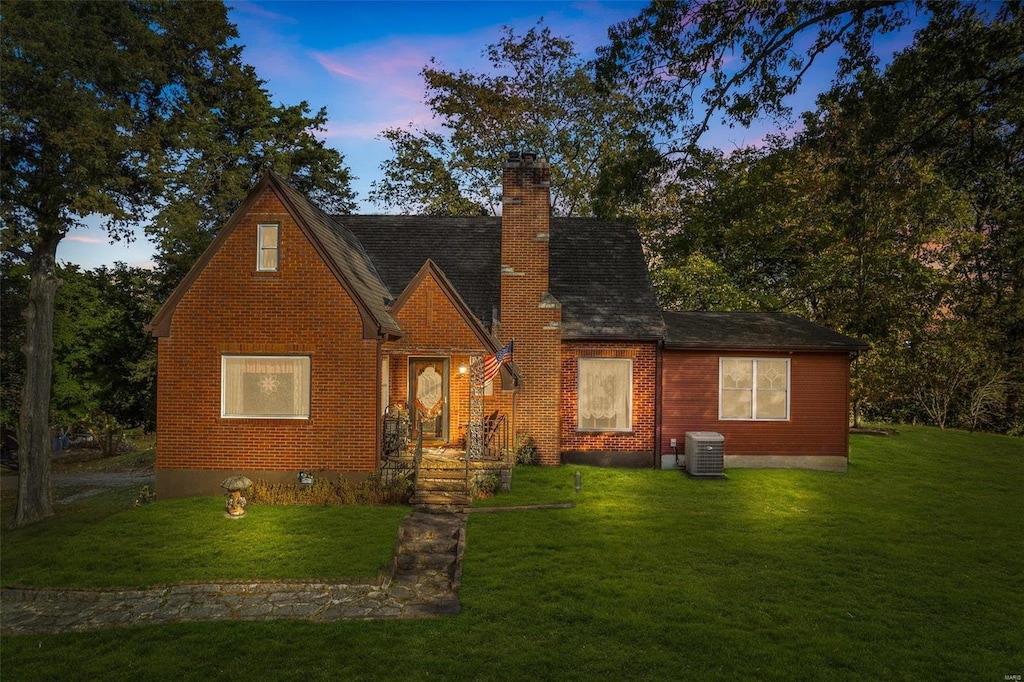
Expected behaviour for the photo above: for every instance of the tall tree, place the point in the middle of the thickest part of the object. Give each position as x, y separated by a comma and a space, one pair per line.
894, 215
104, 369
105, 107
233, 133
692, 61
539, 96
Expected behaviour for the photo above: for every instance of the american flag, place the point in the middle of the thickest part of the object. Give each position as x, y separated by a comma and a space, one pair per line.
493, 363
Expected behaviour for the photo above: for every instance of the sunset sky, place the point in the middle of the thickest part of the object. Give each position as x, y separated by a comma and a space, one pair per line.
362, 60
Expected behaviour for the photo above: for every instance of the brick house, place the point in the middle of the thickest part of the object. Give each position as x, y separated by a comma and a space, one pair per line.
282, 347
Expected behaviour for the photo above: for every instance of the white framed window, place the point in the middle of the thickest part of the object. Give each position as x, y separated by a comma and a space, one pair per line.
264, 387
267, 247
753, 388
605, 391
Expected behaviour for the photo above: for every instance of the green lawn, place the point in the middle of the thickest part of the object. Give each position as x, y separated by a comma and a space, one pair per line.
909, 566
191, 541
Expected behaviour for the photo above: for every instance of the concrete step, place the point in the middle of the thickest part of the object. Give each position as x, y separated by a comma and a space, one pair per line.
441, 509
456, 498
441, 486
413, 544
434, 579
446, 474
417, 562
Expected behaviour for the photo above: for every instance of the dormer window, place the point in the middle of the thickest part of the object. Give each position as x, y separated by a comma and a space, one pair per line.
266, 248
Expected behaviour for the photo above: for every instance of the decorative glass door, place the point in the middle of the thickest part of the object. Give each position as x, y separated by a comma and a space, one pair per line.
428, 398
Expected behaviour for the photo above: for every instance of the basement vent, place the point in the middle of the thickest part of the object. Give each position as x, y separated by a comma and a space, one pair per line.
705, 454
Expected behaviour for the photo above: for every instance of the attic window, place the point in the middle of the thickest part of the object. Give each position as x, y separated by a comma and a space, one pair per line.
266, 248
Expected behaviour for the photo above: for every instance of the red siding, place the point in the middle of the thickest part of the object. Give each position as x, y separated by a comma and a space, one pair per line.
300, 310
819, 405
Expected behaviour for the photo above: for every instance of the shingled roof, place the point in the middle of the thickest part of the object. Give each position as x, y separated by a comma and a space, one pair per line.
753, 331
346, 254
599, 275
467, 250
597, 270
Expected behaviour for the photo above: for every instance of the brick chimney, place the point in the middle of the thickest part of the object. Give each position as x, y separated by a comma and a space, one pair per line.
529, 313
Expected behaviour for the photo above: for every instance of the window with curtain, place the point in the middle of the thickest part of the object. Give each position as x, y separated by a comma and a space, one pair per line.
266, 257
265, 387
605, 390
754, 388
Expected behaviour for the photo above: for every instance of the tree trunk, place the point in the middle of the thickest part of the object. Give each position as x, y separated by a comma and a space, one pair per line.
35, 499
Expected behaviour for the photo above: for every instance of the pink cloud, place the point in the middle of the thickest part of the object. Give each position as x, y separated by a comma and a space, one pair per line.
261, 13
368, 130
376, 63
336, 67
85, 239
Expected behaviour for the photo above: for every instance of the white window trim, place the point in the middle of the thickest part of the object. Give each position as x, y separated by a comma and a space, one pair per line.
579, 416
753, 393
260, 249
224, 389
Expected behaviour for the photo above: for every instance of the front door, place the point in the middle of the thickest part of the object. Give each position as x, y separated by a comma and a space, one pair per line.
428, 398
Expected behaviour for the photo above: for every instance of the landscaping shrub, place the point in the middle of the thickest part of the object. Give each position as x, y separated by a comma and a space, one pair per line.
483, 487
339, 491
525, 449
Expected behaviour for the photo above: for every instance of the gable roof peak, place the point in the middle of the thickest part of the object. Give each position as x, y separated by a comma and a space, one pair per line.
339, 249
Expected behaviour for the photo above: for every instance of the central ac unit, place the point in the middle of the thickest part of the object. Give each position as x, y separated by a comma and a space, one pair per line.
705, 454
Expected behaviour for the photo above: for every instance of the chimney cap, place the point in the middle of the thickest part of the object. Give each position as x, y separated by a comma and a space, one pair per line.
523, 157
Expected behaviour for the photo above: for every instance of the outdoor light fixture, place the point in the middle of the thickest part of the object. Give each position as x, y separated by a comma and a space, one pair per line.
579, 481
463, 369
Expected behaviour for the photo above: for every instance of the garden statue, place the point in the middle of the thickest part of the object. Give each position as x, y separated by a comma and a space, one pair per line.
236, 503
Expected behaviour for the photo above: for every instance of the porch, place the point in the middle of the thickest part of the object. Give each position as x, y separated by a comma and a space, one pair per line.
445, 475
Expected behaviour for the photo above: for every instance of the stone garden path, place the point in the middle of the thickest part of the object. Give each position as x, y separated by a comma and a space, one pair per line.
423, 581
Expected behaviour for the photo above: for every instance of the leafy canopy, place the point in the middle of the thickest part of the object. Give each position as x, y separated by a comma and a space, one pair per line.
538, 95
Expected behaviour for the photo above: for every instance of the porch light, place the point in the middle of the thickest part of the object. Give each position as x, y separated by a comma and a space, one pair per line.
463, 369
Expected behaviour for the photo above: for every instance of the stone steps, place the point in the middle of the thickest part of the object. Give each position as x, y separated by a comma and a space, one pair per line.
441, 487
434, 485
429, 549
418, 544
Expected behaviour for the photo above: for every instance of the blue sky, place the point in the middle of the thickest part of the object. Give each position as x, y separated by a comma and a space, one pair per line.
362, 60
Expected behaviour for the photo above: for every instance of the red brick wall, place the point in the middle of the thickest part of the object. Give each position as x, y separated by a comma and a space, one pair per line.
525, 225
299, 310
430, 322
434, 328
819, 405
642, 436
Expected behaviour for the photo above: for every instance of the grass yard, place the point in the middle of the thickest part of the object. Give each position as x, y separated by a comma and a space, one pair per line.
909, 566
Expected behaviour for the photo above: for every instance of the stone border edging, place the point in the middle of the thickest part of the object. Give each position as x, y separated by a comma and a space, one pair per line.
523, 507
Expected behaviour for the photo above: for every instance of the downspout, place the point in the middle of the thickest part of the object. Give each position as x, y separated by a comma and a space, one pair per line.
658, 350
377, 416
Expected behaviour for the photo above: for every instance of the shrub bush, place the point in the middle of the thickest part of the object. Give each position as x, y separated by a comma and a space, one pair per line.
482, 487
525, 449
339, 491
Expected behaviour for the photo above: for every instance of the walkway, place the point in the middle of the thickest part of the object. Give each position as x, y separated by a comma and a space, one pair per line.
99, 481
423, 582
